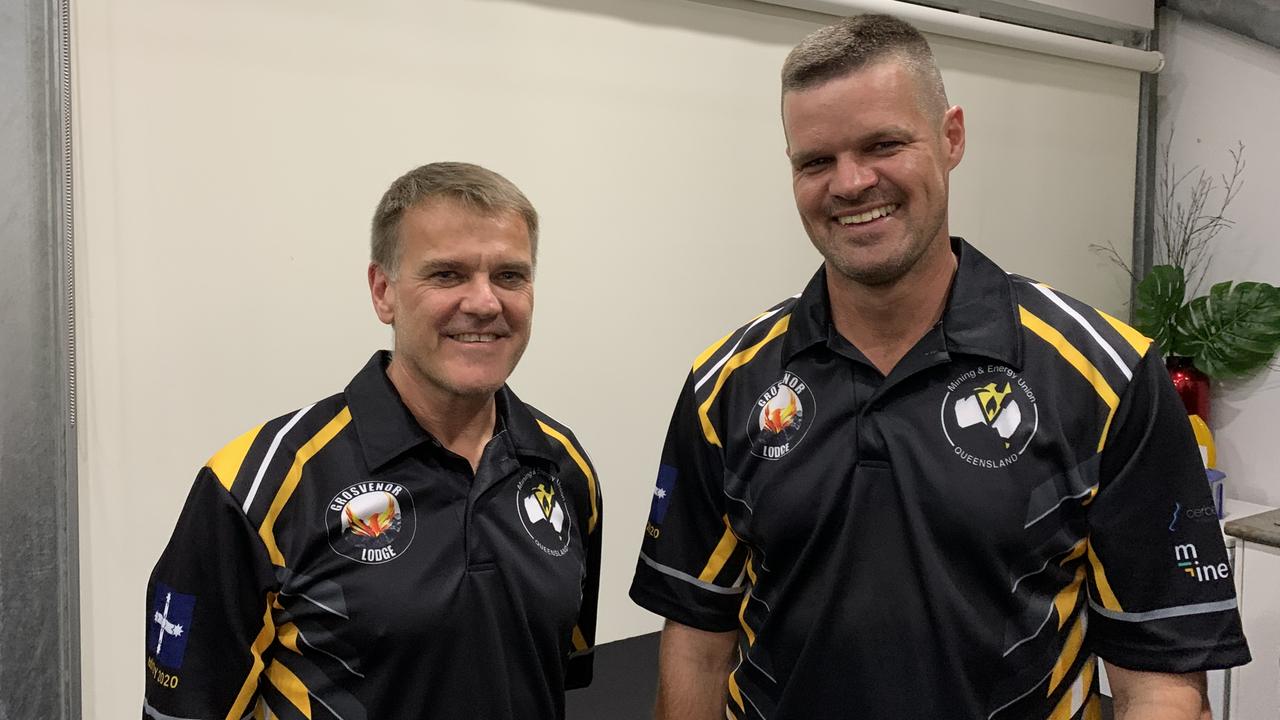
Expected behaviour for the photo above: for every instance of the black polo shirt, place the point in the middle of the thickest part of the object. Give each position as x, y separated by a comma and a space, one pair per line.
338, 562
960, 539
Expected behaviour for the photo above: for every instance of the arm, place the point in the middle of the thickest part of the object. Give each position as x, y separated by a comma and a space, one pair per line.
693, 672
205, 612
1158, 696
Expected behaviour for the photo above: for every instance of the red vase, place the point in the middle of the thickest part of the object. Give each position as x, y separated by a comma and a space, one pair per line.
1192, 385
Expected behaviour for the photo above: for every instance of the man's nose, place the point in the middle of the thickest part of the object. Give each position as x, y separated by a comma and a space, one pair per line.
480, 299
852, 178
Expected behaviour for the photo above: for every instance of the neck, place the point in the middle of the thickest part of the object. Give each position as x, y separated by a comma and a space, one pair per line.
463, 424
886, 321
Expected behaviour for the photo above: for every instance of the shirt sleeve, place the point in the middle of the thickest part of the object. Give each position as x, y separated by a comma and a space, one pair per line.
1162, 597
691, 566
579, 671
207, 611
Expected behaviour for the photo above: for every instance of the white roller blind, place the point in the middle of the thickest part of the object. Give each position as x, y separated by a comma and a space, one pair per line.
231, 154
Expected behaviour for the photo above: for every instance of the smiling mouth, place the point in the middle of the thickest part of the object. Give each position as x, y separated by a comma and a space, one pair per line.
475, 337
866, 217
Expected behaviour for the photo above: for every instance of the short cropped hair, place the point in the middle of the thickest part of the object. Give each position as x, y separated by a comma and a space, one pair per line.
476, 188
858, 42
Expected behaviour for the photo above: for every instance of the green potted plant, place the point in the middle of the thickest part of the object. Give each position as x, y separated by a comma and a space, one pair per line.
1230, 332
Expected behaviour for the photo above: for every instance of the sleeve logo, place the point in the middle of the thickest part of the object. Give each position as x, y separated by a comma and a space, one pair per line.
169, 626
542, 509
781, 417
371, 522
662, 494
989, 416
1187, 557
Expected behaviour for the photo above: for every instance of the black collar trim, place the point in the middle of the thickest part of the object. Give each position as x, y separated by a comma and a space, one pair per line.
387, 429
981, 316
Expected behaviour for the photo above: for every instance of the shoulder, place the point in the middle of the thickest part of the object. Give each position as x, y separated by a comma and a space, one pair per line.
257, 463
568, 450
743, 345
576, 468
1098, 345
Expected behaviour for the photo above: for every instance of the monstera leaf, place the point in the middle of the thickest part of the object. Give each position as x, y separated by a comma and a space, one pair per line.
1160, 296
1230, 332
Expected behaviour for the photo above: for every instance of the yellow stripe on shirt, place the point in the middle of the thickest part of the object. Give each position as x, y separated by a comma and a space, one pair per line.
1075, 696
742, 619
1070, 651
288, 636
738, 360
706, 354
291, 480
1078, 361
1065, 601
583, 466
724, 550
249, 689
290, 686
1101, 584
735, 692
226, 463
579, 641
1137, 340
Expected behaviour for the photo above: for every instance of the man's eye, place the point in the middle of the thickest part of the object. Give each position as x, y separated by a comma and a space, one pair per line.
445, 276
814, 164
886, 145
510, 278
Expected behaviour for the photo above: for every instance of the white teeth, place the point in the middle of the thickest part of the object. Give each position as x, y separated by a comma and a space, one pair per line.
475, 337
867, 216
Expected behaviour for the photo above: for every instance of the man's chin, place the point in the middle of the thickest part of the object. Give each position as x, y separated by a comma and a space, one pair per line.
473, 390
880, 274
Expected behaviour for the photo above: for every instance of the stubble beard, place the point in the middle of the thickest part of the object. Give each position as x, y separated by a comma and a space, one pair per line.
886, 272
435, 378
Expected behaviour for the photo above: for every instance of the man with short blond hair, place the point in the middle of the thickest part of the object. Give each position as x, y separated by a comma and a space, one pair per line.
422, 544
924, 488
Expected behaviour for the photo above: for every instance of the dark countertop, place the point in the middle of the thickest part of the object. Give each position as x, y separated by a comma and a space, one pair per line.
1263, 528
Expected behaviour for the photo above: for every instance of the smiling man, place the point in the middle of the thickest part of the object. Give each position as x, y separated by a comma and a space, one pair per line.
924, 488
423, 544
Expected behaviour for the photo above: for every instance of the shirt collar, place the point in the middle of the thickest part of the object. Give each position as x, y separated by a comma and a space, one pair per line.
387, 429
981, 316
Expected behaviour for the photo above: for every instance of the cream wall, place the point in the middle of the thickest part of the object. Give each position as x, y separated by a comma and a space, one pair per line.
229, 155
1219, 89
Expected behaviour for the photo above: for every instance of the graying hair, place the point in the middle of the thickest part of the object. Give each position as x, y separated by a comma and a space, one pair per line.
858, 42
477, 188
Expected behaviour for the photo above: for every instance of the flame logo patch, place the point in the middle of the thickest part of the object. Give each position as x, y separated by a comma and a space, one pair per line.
780, 417
381, 520
781, 412
371, 522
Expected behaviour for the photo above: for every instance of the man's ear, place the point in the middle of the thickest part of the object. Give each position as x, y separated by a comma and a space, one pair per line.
383, 294
953, 135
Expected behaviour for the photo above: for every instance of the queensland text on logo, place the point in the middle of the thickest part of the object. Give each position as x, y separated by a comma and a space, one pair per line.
992, 418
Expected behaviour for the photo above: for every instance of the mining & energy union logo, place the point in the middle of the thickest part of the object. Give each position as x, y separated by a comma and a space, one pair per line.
989, 416
541, 505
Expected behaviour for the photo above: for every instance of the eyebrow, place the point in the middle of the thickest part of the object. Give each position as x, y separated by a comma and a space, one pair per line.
516, 265
430, 266
892, 132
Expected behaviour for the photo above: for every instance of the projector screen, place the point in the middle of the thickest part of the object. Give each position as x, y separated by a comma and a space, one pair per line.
229, 156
